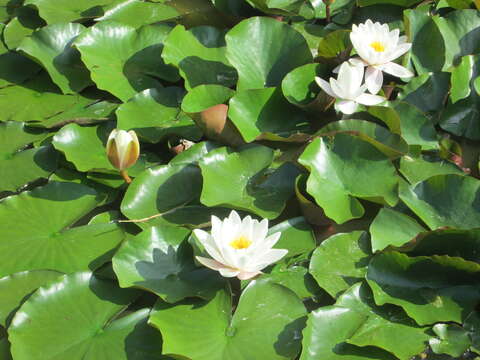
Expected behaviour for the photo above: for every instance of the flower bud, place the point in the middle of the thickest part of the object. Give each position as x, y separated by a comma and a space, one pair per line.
123, 148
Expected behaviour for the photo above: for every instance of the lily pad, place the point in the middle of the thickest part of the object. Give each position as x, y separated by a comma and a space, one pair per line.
155, 114
160, 260
87, 308
199, 53
258, 190
124, 60
186, 326
430, 289
53, 245
343, 168
276, 47
445, 200
52, 47
340, 261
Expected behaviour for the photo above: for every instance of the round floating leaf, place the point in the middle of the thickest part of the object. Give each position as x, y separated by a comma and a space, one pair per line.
299, 86
199, 53
203, 97
256, 190
390, 144
36, 100
186, 326
445, 200
392, 228
18, 166
355, 329
84, 146
22, 25
138, 13
158, 259
276, 47
418, 169
266, 113
193, 154
297, 236
61, 11
297, 279
340, 261
430, 289
452, 340
335, 44
124, 60
155, 114
51, 46
16, 68
89, 322
345, 167
49, 211
461, 118
16, 288
462, 74
166, 194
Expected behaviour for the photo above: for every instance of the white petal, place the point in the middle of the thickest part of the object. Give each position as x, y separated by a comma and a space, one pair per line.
350, 78
346, 106
325, 86
402, 40
209, 244
217, 225
226, 272
235, 218
260, 229
210, 263
337, 89
395, 70
268, 258
357, 62
266, 245
397, 52
373, 79
367, 99
245, 275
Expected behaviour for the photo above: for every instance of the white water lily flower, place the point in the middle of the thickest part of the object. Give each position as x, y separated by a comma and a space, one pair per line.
349, 89
239, 247
377, 47
123, 148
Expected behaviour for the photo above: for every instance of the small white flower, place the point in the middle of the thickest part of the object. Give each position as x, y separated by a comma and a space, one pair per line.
239, 247
349, 89
123, 148
377, 47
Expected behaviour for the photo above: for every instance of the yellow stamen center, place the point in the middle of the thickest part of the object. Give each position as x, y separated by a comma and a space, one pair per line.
240, 242
377, 46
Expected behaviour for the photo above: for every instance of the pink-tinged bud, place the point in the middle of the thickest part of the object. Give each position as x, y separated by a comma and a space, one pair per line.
123, 148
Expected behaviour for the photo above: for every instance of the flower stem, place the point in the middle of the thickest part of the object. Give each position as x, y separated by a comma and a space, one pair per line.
327, 11
125, 176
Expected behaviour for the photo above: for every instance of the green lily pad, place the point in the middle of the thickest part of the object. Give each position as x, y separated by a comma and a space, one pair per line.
16, 288
18, 165
466, 71
276, 47
355, 329
299, 85
343, 168
186, 326
138, 13
340, 261
51, 47
155, 114
258, 190
25, 22
430, 289
16, 68
297, 236
124, 60
86, 308
53, 245
418, 169
392, 228
266, 113
388, 143
445, 200
176, 190
452, 340
296, 278
61, 11
461, 118
160, 260
199, 53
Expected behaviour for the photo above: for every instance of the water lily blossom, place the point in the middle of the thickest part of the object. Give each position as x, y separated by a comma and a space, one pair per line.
239, 247
348, 88
377, 47
123, 150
